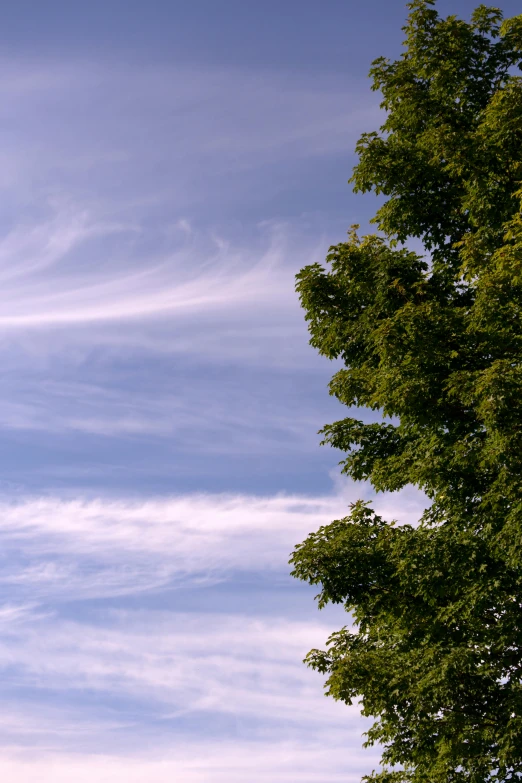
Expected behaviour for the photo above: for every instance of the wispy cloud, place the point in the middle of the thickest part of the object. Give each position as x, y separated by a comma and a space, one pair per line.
105, 547
230, 762
180, 663
70, 308
238, 674
114, 246
77, 291
102, 218
151, 674
75, 283
110, 547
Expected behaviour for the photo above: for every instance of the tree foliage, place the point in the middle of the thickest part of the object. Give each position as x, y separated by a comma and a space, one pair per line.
434, 345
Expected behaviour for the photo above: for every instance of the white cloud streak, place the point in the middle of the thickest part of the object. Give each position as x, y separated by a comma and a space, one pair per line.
180, 663
73, 293
110, 547
110, 178
230, 670
75, 283
166, 667
101, 165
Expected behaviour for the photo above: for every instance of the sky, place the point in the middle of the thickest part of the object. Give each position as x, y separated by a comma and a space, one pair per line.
166, 167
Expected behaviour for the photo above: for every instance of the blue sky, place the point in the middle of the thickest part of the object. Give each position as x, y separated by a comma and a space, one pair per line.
165, 170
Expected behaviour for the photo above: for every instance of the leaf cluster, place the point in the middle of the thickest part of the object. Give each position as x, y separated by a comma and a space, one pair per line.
434, 347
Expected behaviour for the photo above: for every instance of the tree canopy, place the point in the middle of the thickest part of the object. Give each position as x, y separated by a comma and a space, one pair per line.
433, 345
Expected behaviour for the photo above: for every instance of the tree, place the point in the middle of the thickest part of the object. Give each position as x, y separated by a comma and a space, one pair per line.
433, 345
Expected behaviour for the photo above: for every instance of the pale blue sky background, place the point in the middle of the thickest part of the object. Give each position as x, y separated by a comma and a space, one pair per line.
165, 170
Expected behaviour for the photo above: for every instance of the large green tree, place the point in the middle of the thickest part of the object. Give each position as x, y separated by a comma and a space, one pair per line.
433, 345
